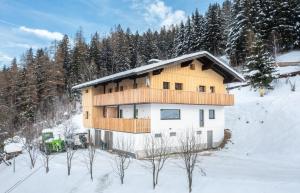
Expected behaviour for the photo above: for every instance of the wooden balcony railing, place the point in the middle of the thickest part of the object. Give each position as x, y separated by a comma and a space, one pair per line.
123, 125
148, 95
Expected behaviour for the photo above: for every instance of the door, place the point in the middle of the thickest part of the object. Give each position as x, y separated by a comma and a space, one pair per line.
209, 139
97, 138
108, 140
201, 117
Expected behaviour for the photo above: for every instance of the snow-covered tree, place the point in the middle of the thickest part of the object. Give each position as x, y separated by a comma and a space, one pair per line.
179, 40
198, 24
260, 65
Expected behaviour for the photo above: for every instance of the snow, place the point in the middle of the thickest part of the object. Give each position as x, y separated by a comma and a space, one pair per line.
288, 69
263, 156
13, 147
292, 56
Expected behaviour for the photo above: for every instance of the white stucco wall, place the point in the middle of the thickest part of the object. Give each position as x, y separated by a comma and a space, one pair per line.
189, 121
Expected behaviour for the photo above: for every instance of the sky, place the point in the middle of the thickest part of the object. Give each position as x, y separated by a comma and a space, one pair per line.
37, 23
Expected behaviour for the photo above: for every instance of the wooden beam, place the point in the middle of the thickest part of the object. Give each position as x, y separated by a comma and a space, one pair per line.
157, 72
186, 63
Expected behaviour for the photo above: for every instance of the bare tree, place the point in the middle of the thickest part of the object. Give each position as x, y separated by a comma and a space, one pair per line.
30, 143
69, 145
45, 157
91, 153
188, 151
122, 160
157, 153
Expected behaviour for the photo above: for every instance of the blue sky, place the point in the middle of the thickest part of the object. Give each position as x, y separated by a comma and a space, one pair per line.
37, 23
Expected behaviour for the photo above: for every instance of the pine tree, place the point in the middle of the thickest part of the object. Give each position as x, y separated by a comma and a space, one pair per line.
214, 30
63, 63
148, 47
187, 42
284, 19
260, 69
237, 46
198, 24
179, 40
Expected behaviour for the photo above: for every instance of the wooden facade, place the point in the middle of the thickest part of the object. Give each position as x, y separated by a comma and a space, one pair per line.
148, 95
149, 89
123, 125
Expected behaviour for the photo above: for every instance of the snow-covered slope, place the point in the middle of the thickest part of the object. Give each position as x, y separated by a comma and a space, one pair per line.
266, 126
263, 157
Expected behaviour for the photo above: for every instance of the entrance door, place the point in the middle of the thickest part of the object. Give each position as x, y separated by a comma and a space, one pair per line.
97, 138
108, 139
201, 117
209, 139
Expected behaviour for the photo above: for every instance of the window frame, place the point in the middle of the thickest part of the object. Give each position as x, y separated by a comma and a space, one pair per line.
209, 114
202, 86
180, 86
212, 89
86, 115
161, 110
167, 83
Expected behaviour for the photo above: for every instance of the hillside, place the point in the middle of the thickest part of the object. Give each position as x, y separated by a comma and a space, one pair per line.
263, 156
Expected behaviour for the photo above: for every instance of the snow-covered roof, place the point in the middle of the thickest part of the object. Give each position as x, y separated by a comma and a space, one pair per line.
292, 56
160, 64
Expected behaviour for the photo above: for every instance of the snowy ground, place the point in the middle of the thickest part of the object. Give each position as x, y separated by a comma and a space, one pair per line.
263, 157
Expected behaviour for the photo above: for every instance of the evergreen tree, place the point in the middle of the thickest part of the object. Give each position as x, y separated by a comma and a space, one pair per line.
237, 46
214, 30
187, 42
179, 40
260, 69
198, 24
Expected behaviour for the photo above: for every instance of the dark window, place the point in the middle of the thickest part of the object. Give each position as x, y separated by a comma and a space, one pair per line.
211, 114
178, 86
104, 111
136, 113
201, 88
121, 88
157, 135
198, 132
172, 134
212, 89
169, 114
86, 115
166, 85
86, 91
192, 66
135, 85
121, 113
117, 89
110, 90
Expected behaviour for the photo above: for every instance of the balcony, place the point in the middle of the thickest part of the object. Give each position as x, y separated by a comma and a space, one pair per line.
123, 125
148, 95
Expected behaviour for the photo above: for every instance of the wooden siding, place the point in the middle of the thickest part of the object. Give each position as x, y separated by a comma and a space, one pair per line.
147, 95
191, 79
123, 125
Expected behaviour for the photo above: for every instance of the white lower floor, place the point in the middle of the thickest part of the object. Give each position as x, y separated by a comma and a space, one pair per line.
137, 143
169, 126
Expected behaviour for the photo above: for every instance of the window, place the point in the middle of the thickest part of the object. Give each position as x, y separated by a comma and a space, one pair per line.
121, 88
166, 85
135, 85
86, 115
110, 90
104, 111
121, 113
136, 113
172, 134
198, 132
157, 135
212, 89
192, 66
87, 91
211, 114
201, 88
169, 114
178, 86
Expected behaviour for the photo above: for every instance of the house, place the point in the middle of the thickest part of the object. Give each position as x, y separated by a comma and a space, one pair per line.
162, 99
